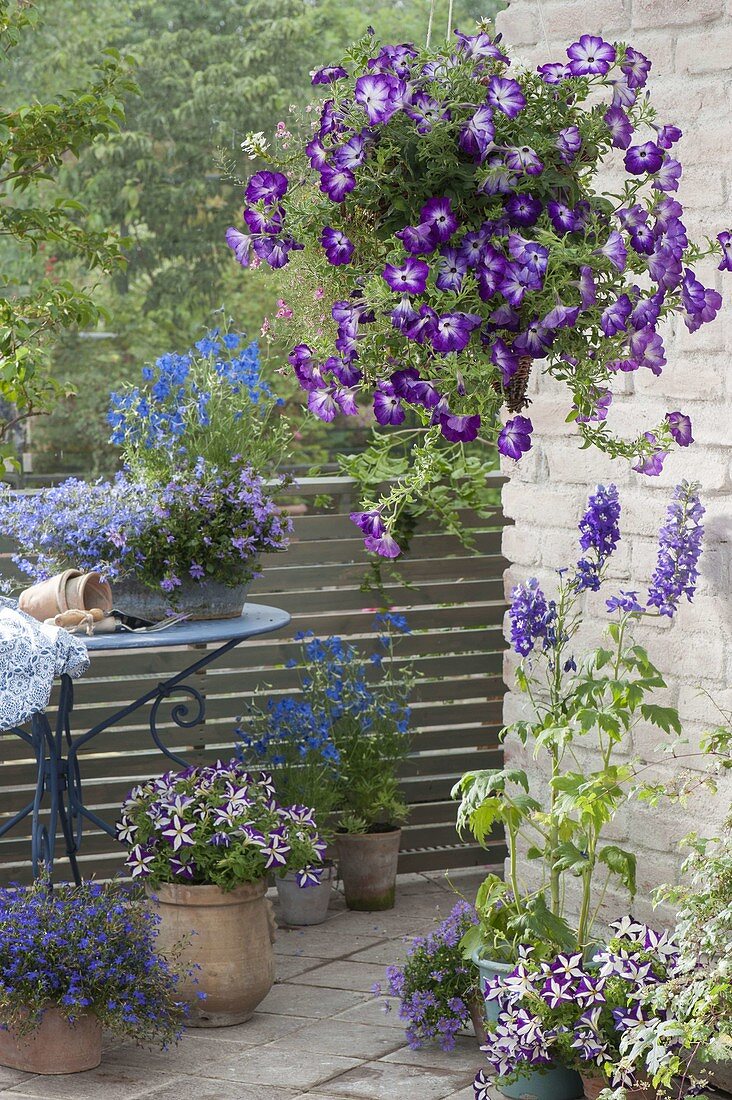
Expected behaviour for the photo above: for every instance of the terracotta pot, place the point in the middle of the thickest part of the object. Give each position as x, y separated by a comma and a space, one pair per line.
476, 1006
307, 905
368, 867
228, 935
71, 590
56, 1046
199, 600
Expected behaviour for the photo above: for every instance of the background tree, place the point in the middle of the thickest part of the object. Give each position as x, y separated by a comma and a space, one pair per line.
38, 218
209, 72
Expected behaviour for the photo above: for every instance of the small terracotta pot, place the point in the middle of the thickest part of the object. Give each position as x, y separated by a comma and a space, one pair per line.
368, 867
228, 935
476, 1007
56, 1046
71, 590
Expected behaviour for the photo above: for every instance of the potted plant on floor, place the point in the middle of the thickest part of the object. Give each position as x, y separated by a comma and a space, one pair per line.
569, 1012
291, 738
74, 960
203, 840
437, 986
347, 732
558, 834
443, 228
183, 525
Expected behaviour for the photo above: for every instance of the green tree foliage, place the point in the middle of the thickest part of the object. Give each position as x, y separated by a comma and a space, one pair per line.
36, 140
209, 72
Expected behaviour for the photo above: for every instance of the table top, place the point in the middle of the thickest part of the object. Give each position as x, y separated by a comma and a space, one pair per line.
255, 619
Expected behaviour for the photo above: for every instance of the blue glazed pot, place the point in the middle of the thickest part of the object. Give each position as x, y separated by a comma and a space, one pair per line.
553, 1083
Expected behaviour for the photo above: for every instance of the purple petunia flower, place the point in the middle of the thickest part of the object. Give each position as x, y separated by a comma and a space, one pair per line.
336, 183
643, 158
489, 272
417, 239
515, 437
561, 216
635, 67
459, 429
507, 361
322, 403
451, 269
371, 523
614, 250
668, 176
679, 550
338, 248
700, 305
385, 545
587, 288
554, 73
568, 143
651, 465
240, 244
590, 56
452, 331
476, 137
379, 95
614, 318
426, 112
646, 348
410, 278
267, 187
524, 159
328, 74
439, 216
479, 45
352, 154
725, 243
620, 127
388, 408
523, 209
263, 221
504, 94
680, 428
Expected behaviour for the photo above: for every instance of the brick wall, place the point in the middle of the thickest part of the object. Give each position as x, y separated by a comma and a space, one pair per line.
690, 45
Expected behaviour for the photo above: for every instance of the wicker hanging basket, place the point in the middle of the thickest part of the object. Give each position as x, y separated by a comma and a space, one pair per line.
514, 394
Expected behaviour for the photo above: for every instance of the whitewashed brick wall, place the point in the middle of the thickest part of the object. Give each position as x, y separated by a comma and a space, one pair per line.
690, 45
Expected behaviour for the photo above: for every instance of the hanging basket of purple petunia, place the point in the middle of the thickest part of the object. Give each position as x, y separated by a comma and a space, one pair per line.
444, 233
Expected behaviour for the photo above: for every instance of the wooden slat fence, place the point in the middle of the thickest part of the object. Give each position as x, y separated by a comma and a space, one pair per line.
453, 600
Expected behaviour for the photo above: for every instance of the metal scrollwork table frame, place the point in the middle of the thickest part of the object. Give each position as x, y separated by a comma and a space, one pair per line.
58, 802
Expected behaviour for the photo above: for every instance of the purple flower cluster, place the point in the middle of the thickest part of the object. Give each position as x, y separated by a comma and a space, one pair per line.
435, 984
679, 550
533, 618
599, 534
448, 293
220, 825
574, 1011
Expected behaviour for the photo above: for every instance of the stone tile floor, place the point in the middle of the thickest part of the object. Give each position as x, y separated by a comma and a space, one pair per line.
320, 1033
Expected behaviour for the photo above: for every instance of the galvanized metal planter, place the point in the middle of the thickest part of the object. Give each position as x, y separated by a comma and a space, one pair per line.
197, 599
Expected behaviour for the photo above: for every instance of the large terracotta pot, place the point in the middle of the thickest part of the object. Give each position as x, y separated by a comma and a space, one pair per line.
368, 867
56, 1046
551, 1083
228, 935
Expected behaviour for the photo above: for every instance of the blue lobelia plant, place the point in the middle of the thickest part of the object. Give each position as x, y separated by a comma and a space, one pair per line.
88, 948
593, 701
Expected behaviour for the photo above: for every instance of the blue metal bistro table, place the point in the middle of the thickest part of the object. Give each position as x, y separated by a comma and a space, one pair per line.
58, 803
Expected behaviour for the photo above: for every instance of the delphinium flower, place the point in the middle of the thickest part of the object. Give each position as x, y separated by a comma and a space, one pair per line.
679, 550
599, 534
435, 984
443, 302
533, 618
221, 825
